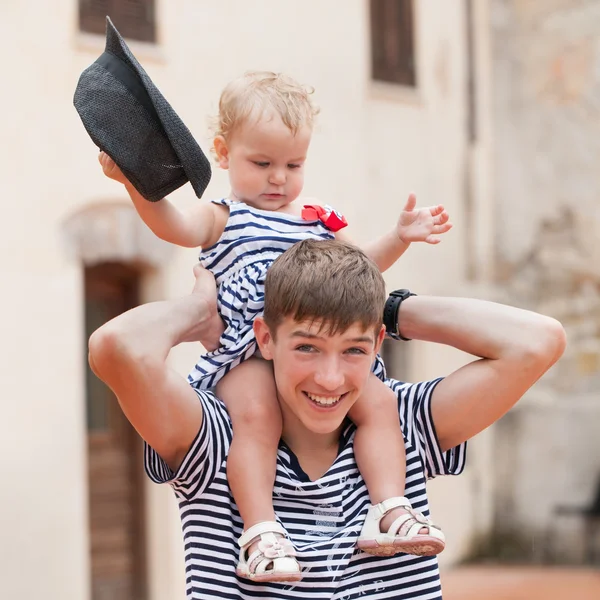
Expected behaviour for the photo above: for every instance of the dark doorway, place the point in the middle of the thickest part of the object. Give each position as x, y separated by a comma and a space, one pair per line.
115, 472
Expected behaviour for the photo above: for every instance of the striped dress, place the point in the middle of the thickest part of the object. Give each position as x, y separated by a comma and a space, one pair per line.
323, 517
252, 240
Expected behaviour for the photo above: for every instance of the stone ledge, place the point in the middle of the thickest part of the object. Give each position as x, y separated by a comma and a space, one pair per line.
112, 232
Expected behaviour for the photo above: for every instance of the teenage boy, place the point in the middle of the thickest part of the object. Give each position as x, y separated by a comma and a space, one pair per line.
320, 334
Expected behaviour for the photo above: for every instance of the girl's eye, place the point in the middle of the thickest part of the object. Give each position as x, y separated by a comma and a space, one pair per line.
261, 164
292, 166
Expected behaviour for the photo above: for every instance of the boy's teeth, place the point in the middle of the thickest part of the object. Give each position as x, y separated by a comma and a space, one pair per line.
324, 400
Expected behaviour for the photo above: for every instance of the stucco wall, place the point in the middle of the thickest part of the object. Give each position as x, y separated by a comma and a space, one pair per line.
546, 66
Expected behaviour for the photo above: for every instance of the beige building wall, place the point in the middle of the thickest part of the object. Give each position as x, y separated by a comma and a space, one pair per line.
373, 145
546, 59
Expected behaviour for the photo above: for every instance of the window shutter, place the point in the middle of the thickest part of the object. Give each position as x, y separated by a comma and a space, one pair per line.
392, 41
135, 19
92, 15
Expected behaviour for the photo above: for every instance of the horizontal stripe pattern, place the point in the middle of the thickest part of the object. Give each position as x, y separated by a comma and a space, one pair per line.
323, 518
252, 240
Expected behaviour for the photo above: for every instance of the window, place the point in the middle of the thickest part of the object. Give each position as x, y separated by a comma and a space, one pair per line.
392, 42
135, 19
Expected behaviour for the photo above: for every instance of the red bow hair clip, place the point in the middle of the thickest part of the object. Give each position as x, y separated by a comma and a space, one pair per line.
333, 220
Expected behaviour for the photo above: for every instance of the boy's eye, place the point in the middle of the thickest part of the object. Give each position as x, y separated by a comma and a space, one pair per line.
304, 348
293, 166
261, 163
356, 351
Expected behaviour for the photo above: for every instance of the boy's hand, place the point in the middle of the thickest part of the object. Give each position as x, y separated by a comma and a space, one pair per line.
422, 224
110, 168
209, 329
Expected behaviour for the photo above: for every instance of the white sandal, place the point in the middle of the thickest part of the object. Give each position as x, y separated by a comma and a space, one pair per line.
404, 533
274, 559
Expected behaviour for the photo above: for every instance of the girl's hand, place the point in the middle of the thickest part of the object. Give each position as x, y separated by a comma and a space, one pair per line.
422, 224
110, 168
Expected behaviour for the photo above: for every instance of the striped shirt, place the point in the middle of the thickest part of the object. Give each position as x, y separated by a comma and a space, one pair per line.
251, 241
323, 518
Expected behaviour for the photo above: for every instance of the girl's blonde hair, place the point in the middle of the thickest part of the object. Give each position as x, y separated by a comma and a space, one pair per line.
263, 93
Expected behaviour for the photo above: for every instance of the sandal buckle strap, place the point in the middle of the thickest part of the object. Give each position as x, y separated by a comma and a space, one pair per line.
418, 517
391, 503
277, 549
258, 529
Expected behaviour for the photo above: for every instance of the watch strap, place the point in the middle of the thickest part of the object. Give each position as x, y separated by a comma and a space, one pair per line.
390, 313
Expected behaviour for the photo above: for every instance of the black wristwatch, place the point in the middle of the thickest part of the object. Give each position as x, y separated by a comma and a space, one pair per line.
390, 313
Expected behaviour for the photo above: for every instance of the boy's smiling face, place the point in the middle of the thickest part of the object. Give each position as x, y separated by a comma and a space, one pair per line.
319, 376
265, 160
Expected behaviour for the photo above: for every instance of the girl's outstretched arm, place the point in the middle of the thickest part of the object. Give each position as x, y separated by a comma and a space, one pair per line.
200, 226
414, 225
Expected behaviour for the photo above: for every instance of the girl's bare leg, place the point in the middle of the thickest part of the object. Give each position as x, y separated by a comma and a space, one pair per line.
379, 445
249, 394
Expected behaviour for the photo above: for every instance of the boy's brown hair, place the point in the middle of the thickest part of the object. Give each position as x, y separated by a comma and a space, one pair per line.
328, 281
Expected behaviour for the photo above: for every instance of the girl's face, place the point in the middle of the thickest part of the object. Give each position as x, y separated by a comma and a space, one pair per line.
265, 161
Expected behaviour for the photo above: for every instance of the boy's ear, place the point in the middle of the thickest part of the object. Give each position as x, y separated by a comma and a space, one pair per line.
264, 339
379, 339
221, 151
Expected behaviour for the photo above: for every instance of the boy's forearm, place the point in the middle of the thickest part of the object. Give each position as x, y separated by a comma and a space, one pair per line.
478, 327
515, 348
386, 250
130, 354
150, 331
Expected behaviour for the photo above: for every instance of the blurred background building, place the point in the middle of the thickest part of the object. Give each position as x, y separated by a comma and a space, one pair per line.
490, 107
